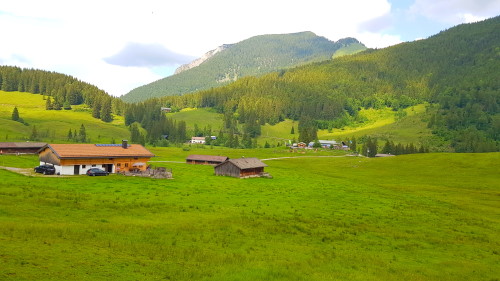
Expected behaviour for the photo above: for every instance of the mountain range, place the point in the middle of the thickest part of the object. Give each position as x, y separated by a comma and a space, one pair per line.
252, 57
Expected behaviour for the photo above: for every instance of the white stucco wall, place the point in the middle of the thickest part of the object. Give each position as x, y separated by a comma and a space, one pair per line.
70, 170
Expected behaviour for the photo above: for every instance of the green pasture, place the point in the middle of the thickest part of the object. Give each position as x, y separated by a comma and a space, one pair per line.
203, 117
53, 125
411, 217
179, 154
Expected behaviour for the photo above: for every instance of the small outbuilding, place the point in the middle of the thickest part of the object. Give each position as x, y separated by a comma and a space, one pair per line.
205, 159
241, 168
21, 147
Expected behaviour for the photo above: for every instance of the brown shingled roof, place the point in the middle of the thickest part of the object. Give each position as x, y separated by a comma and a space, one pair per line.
197, 157
247, 163
94, 151
22, 144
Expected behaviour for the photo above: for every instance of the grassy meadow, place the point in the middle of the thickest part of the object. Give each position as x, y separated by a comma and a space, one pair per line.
53, 125
411, 217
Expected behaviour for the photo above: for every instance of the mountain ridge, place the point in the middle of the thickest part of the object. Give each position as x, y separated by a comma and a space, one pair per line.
251, 57
202, 59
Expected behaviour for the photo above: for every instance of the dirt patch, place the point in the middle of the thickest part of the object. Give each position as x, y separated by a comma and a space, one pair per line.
25, 171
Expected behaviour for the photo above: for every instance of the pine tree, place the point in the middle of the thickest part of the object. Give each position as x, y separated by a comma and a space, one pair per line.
34, 134
388, 148
70, 134
56, 105
353, 144
15, 114
82, 135
48, 104
292, 131
135, 134
96, 109
105, 113
67, 105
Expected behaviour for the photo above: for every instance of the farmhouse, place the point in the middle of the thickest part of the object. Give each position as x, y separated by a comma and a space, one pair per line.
76, 159
206, 159
20, 147
241, 168
200, 140
331, 144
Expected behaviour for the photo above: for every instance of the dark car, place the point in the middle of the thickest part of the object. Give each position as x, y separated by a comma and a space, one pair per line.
45, 169
96, 172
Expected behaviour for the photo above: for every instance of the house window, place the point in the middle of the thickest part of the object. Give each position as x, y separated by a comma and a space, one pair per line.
118, 164
126, 165
93, 165
84, 166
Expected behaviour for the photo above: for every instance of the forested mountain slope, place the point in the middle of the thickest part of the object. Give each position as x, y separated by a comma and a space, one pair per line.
254, 56
456, 71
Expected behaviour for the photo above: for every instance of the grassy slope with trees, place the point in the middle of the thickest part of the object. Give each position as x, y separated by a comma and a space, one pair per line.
355, 219
254, 56
54, 125
456, 71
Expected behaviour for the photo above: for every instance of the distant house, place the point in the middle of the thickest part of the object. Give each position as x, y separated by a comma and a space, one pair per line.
383, 155
76, 159
301, 145
166, 109
241, 168
324, 143
206, 159
199, 140
21, 147
330, 144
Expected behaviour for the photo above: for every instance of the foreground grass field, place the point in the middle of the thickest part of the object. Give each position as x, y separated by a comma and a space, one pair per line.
413, 217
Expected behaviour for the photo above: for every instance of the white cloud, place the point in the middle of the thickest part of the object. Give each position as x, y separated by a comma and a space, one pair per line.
456, 11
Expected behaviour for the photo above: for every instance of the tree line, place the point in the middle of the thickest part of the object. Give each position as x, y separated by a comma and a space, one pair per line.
60, 91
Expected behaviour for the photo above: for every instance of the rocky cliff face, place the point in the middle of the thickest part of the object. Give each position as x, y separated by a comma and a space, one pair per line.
205, 57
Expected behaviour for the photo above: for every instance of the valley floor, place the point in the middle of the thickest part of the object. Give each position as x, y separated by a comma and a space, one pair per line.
411, 217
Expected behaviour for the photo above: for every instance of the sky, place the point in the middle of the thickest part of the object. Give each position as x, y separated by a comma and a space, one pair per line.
120, 45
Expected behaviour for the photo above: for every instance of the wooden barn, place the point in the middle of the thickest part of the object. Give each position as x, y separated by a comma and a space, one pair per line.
241, 168
76, 159
205, 159
21, 147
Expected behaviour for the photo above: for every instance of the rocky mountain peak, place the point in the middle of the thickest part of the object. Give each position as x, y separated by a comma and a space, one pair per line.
203, 58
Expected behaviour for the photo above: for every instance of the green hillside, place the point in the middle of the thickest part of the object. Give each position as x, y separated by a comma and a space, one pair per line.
319, 218
254, 56
455, 71
53, 125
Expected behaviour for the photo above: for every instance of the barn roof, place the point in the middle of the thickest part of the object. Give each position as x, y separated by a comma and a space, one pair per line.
213, 158
246, 163
72, 151
22, 144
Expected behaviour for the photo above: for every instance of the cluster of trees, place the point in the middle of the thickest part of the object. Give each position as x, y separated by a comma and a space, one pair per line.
469, 118
157, 128
370, 147
60, 91
78, 136
55, 105
397, 149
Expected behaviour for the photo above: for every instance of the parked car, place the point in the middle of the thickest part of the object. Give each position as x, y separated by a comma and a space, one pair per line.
45, 169
96, 172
